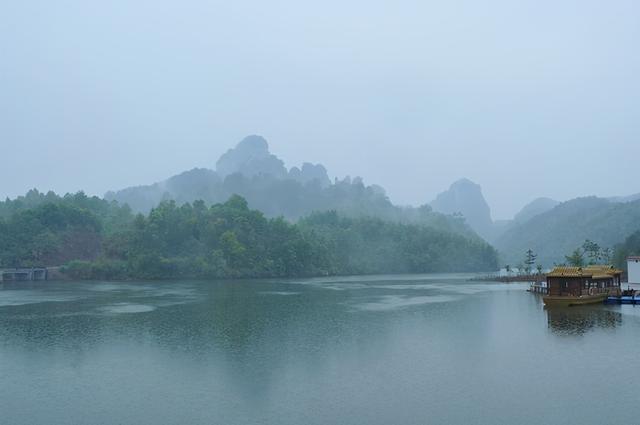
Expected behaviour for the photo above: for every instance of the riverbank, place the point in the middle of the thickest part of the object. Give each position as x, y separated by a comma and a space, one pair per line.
509, 279
61, 274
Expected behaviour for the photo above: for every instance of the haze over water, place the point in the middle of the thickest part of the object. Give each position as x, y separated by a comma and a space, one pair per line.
360, 350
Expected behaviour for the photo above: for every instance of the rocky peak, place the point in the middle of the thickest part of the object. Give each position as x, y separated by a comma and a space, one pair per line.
251, 157
465, 197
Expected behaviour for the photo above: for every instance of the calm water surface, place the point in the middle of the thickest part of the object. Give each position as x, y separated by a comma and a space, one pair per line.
428, 349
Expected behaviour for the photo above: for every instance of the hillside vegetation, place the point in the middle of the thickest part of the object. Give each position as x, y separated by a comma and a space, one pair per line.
558, 231
99, 239
630, 246
46, 229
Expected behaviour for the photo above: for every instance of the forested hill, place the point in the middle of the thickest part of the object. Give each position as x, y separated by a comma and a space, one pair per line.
252, 172
630, 246
100, 239
557, 232
47, 229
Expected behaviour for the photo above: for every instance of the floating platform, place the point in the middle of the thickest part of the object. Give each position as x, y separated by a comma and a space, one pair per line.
625, 299
628, 296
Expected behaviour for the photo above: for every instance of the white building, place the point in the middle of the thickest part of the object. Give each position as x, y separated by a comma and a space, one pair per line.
633, 269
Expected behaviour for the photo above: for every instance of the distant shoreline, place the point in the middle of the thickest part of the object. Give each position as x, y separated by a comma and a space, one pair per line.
511, 279
59, 276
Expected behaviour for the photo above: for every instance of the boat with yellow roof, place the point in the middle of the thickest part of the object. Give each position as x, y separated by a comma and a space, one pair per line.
569, 286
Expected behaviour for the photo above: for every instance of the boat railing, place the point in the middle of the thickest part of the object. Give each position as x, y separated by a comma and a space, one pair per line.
595, 291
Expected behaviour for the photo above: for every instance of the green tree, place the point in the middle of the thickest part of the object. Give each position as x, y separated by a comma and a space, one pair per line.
592, 251
576, 258
529, 260
99, 239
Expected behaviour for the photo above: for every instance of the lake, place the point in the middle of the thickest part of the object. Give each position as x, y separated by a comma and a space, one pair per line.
418, 349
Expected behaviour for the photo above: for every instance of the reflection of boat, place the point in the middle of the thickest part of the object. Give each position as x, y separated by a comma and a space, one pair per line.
569, 286
577, 321
569, 300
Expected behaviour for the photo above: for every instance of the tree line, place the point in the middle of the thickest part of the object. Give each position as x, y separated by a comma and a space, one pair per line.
98, 239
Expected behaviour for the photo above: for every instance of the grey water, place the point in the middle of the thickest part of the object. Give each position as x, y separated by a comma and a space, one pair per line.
419, 349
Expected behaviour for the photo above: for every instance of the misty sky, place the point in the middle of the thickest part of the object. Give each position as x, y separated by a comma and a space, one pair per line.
526, 98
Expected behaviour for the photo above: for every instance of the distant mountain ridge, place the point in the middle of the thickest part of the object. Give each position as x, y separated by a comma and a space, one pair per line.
188, 186
628, 198
552, 229
549, 227
250, 159
253, 172
536, 207
557, 232
465, 198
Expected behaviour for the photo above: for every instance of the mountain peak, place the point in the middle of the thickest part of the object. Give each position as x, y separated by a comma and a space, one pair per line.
254, 144
465, 183
251, 157
465, 197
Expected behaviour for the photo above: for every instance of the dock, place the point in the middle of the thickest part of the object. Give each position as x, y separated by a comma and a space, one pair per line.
24, 274
630, 296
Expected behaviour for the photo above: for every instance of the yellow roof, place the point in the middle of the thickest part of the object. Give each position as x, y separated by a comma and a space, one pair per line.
603, 270
567, 272
597, 272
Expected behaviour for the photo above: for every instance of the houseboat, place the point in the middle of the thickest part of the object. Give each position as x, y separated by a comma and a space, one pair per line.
569, 286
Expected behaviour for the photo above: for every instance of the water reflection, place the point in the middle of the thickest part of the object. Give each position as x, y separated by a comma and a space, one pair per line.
579, 320
348, 351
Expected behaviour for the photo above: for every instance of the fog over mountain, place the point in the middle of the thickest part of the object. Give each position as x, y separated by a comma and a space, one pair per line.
247, 167
250, 170
251, 157
551, 228
627, 198
147, 102
558, 231
527, 98
286, 212
465, 197
534, 208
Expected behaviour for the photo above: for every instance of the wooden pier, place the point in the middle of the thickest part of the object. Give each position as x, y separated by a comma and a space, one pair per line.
24, 274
